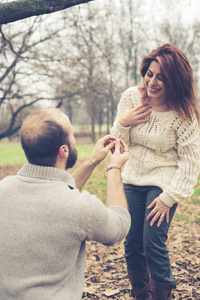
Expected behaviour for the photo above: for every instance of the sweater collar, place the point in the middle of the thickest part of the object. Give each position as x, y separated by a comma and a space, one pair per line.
46, 173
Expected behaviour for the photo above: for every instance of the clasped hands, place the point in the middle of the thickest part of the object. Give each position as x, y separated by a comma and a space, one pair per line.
118, 148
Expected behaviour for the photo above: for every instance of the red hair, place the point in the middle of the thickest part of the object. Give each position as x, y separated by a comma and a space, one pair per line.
177, 76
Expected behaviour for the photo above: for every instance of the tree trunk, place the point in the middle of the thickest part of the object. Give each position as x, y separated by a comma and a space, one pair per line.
108, 117
100, 122
21, 9
93, 137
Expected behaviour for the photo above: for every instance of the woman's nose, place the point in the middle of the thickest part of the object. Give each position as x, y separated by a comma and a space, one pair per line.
153, 81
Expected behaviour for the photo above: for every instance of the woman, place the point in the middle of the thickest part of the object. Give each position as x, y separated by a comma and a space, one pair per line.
159, 121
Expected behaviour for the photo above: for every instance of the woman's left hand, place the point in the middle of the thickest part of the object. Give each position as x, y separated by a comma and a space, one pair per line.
159, 211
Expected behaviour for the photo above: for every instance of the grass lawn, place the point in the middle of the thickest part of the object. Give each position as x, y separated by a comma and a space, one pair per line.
12, 154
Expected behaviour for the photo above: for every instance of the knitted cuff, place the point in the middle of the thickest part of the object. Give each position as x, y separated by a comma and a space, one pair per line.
167, 199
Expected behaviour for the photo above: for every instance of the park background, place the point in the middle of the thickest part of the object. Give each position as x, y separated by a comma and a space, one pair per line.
81, 60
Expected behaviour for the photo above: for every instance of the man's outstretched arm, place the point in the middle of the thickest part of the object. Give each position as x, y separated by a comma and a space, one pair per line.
99, 153
115, 190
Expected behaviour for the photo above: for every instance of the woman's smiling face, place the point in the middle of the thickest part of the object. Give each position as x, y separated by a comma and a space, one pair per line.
153, 82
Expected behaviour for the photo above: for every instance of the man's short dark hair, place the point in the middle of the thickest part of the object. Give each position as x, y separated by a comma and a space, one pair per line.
42, 149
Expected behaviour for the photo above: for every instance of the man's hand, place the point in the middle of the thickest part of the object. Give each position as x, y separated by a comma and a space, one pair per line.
160, 210
120, 154
99, 152
102, 148
135, 115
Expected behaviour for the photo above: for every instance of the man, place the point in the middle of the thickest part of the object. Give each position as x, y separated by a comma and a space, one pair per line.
45, 219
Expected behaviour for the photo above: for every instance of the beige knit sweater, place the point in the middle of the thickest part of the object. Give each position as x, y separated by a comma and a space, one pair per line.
163, 152
44, 226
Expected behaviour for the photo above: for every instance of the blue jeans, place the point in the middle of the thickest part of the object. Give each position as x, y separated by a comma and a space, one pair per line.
145, 244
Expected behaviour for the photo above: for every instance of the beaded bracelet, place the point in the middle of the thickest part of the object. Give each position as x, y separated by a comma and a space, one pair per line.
113, 168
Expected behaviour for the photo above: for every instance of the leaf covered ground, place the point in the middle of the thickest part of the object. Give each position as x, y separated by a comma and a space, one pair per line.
105, 271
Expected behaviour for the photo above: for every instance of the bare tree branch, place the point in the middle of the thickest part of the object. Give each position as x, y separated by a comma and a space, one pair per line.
8, 90
12, 128
21, 9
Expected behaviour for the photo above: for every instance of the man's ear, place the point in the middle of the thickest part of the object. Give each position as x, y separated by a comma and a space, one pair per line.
63, 151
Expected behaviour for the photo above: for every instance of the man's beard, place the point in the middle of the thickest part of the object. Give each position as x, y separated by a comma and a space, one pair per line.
72, 158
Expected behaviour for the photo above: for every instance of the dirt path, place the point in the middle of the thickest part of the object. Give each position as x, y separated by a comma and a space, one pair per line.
105, 272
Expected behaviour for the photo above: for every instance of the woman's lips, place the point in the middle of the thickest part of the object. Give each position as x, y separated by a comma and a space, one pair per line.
151, 90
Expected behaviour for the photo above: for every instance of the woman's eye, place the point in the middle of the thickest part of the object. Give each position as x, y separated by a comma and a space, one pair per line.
159, 78
149, 74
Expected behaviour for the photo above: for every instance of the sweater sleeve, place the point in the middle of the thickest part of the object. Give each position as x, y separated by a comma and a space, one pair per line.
186, 175
130, 96
106, 225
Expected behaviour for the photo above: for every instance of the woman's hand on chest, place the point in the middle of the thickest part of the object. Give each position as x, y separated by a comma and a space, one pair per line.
135, 115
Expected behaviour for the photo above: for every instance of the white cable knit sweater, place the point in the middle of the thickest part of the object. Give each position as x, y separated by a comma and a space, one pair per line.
163, 152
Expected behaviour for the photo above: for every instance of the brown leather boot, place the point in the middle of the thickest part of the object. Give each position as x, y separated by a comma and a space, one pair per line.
141, 284
162, 290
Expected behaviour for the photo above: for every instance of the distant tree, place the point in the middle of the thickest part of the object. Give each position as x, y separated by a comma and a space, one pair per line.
133, 38
91, 64
30, 70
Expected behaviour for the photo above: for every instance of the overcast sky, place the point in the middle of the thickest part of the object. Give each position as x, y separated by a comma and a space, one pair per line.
190, 9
